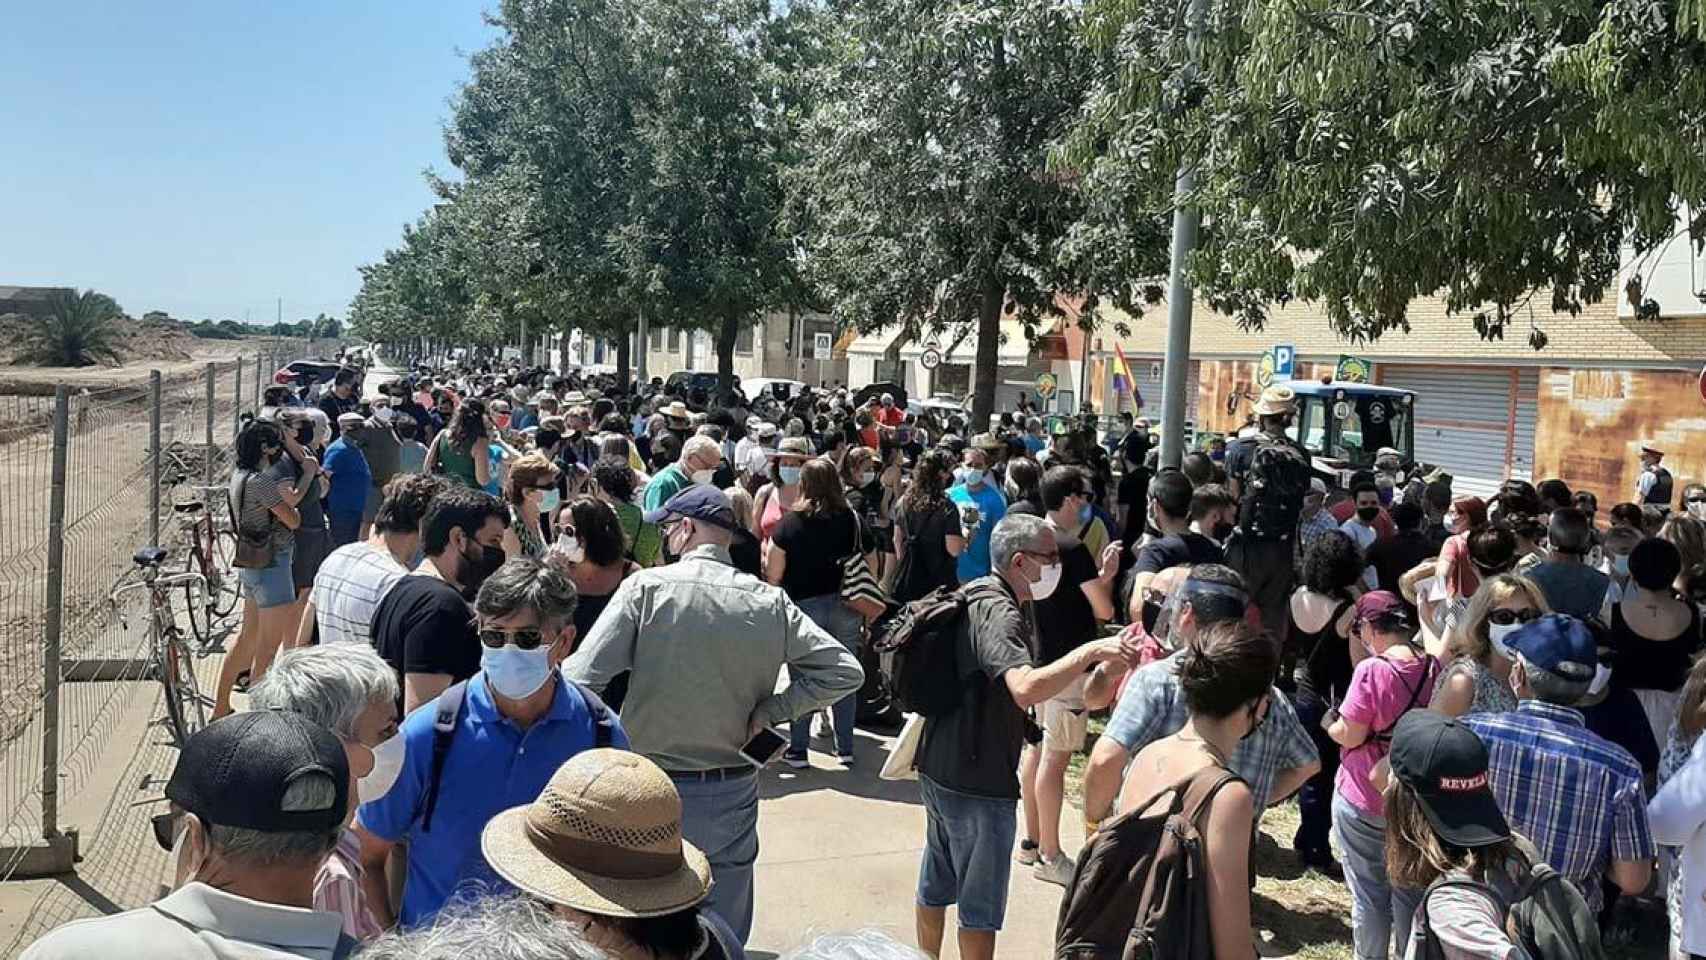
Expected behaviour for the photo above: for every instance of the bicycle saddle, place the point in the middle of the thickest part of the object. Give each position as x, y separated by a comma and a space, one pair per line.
149, 556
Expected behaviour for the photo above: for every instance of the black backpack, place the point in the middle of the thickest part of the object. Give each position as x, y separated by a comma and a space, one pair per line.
1274, 487
1549, 917
915, 642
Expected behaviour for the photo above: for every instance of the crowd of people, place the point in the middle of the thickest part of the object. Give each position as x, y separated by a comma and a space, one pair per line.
508, 638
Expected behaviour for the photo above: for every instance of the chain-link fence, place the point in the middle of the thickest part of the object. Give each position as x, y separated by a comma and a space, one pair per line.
87, 478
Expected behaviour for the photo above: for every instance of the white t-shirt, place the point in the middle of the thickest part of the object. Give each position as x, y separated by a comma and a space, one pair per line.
348, 587
1364, 536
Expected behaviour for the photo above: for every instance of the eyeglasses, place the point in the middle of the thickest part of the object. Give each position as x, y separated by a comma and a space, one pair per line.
1505, 618
1048, 559
1699, 499
545, 486
526, 639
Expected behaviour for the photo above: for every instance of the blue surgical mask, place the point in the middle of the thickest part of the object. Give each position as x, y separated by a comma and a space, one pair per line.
971, 477
548, 504
1084, 514
789, 475
516, 673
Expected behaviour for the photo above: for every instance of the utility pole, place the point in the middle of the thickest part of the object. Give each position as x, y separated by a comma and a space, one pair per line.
641, 347
1186, 221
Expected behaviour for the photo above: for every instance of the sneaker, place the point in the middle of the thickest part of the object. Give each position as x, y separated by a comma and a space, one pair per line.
1027, 855
797, 762
847, 760
1055, 870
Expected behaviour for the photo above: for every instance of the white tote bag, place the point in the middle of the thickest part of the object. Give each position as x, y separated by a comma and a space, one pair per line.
902, 763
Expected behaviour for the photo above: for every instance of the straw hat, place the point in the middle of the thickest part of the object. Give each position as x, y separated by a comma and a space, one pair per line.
604, 837
791, 447
676, 411
1276, 401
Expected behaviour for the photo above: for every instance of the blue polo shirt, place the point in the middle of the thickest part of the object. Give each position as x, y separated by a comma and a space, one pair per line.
351, 478
991, 506
493, 765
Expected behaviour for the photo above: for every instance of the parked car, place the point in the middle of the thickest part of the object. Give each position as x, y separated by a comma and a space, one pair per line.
695, 379
306, 373
779, 389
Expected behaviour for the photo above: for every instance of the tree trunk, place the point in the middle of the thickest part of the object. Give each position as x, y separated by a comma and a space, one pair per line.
986, 367
624, 347
726, 335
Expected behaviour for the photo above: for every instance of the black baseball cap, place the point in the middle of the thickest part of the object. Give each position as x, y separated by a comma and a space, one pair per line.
236, 771
1445, 763
699, 502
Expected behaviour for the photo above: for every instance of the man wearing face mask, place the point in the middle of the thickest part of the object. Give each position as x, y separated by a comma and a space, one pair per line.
967, 758
981, 507
1275, 759
701, 644
1360, 525
351, 691
1693, 500
258, 801
423, 627
700, 458
342, 398
378, 441
484, 746
1212, 513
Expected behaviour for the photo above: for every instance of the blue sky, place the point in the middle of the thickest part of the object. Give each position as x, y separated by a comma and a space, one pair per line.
205, 157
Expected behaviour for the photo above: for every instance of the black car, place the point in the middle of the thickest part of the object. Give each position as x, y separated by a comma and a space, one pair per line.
306, 373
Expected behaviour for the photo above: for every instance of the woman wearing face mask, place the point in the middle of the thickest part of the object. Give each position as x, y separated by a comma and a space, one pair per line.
265, 503
805, 559
614, 482
532, 494
1476, 678
1655, 634
867, 498
927, 535
1225, 682
602, 848
1321, 613
776, 499
589, 551
459, 450
350, 690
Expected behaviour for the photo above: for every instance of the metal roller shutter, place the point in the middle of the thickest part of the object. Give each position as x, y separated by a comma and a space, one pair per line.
1463, 422
1527, 413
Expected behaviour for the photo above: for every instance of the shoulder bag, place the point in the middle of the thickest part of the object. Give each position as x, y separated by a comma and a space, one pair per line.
859, 587
254, 544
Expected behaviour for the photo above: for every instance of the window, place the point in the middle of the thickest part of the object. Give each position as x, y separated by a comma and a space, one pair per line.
674, 340
889, 372
743, 342
654, 338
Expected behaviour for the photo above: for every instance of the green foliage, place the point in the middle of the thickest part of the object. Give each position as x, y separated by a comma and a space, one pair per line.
1364, 155
80, 329
208, 330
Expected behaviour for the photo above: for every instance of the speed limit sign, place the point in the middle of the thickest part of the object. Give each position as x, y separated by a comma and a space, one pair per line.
930, 358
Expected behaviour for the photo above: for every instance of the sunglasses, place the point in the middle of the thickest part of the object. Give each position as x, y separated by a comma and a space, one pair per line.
1505, 618
528, 639
165, 826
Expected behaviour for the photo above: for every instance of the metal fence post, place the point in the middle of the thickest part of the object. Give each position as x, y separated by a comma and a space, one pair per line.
237, 400
260, 379
54, 619
154, 457
212, 373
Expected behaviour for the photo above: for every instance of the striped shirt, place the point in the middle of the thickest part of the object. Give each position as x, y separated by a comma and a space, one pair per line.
337, 888
347, 590
1575, 794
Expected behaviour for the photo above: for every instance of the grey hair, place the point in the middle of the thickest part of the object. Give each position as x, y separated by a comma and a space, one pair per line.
523, 583
864, 945
700, 445
1015, 532
489, 928
259, 849
331, 684
1552, 687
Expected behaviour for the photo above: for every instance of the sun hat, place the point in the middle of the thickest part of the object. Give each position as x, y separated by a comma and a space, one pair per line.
1655, 451
1276, 401
792, 447
676, 410
604, 838
1445, 763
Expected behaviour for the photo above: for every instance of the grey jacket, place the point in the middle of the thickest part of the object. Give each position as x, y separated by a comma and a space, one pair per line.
705, 644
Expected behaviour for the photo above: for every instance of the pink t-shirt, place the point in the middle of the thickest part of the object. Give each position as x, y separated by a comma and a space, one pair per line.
1381, 691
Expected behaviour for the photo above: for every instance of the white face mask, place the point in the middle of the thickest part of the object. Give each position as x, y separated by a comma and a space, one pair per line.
866, 478
703, 476
1451, 520
1497, 633
1697, 509
382, 414
570, 549
387, 764
1044, 588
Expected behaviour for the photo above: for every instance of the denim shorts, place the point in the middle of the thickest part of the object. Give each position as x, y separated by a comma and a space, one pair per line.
271, 586
968, 854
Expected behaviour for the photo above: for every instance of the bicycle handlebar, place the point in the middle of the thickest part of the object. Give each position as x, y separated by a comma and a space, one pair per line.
162, 582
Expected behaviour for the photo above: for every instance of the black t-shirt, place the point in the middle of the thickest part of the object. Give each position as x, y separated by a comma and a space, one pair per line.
1179, 549
976, 748
816, 544
424, 626
1395, 556
928, 564
1065, 620
1133, 494
1135, 445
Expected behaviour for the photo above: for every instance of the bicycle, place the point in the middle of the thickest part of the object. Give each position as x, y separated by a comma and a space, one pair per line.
212, 548
171, 661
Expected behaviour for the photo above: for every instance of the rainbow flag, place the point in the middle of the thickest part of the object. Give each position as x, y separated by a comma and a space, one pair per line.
1123, 380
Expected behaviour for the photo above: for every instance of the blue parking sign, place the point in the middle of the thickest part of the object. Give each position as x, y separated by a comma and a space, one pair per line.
1285, 360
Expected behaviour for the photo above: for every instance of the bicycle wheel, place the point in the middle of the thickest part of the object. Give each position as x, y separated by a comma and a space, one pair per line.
197, 601
223, 587
186, 710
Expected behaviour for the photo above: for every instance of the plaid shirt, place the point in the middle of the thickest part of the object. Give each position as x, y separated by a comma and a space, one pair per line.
1310, 529
1151, 707
1574, 794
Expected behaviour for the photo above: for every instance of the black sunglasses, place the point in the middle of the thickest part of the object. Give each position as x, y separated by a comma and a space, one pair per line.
1505, 618
165, 826
528, 639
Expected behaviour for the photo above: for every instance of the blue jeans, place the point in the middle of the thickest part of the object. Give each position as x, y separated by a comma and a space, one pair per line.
1380, 912
720, 817
829, 613
272, 585
968, 854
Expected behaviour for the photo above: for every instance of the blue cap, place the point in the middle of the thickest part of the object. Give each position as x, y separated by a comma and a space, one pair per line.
699, 502
1557, 643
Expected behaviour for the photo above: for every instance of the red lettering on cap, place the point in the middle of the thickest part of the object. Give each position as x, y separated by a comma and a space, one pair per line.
1459, 784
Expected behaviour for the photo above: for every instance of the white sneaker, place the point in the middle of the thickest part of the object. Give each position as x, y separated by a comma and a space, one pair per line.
1027, 855
1055, 870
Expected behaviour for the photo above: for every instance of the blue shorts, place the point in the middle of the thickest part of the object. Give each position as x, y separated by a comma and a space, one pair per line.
270, 586
968, 854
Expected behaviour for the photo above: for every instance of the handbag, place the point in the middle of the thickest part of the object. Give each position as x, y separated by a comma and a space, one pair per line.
902, 763
254, 545
859, 587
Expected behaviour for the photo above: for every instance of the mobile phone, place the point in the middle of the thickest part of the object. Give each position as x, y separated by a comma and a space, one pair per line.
763, 747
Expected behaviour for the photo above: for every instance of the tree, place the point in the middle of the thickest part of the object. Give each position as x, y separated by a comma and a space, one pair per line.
922, 197
1363, 155
78, 330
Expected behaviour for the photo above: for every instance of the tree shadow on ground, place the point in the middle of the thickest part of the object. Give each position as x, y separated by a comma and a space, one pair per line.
1301, 922
870, 750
